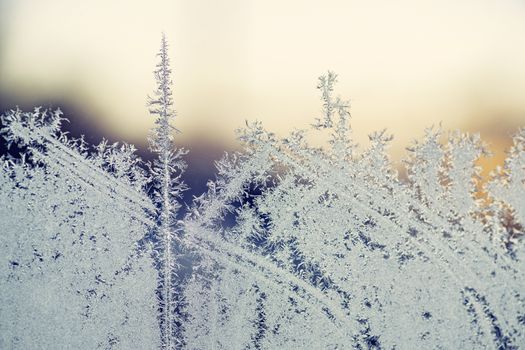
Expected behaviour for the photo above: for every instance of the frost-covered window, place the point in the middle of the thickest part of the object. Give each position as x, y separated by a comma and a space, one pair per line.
293, 246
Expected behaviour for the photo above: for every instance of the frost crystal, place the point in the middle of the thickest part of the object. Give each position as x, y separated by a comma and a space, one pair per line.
166, 172
330, 250
292, 247
75, 272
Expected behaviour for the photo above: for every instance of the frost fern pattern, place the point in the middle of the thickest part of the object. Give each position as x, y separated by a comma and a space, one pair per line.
75, 270
292, 247
330, 250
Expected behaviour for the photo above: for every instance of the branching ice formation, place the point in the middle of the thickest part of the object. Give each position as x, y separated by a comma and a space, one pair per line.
331, 250
166, 171
292, 247
73, 271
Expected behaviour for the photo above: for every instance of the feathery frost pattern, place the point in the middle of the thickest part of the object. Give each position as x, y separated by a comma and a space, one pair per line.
330, 250
166, 171
75, 272
292, 247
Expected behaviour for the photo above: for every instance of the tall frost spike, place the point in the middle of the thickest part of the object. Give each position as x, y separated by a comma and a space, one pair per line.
166, 172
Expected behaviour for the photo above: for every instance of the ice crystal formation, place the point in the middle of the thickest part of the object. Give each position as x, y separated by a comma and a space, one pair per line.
330, 250
166, 171
72, 276
292, 247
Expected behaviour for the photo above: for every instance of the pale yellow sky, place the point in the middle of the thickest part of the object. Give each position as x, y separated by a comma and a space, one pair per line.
404, 64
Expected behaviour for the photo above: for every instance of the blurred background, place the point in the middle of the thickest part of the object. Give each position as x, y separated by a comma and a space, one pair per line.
405, 65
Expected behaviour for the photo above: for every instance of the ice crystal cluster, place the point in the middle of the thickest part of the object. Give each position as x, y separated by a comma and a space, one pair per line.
71, 273
292, 247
